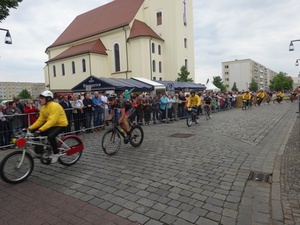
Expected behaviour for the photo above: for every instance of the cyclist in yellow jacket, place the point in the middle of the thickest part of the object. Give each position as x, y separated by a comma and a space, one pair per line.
279, 96
51, 122
260, 96
194, 101
246, 97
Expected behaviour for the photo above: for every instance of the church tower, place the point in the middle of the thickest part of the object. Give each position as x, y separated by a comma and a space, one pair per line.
172, 20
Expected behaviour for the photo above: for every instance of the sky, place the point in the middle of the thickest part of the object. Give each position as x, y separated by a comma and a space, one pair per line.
223, 31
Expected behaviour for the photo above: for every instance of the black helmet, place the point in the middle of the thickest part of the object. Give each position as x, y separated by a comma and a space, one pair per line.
111, 97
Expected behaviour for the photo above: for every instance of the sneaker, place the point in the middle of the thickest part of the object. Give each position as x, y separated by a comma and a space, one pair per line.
127, 138
54, 158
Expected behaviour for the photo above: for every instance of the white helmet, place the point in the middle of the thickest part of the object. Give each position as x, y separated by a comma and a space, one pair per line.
47, 94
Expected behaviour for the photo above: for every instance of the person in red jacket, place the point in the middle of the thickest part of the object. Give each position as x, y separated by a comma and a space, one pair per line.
32, 112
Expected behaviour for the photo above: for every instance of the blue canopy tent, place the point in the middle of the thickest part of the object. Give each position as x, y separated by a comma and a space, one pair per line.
182, 85
93, 83
122, 84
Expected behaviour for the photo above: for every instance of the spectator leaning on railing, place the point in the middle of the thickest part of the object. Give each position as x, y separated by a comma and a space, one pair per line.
4, 129
15, 120
32, 112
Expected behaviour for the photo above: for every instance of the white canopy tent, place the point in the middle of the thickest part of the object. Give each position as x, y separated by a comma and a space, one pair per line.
211, 87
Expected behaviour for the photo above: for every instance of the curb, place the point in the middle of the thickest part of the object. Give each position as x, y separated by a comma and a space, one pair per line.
276, 206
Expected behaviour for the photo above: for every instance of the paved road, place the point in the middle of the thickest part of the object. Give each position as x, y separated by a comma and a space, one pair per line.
200, 177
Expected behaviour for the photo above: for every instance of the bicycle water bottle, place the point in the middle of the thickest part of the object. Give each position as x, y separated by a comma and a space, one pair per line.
123, 131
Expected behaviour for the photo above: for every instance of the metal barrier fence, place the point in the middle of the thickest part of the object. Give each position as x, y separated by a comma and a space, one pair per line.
86, 121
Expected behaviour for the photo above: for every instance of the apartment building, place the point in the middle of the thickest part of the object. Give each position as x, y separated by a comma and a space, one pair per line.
149, 39
8, 90
243, 71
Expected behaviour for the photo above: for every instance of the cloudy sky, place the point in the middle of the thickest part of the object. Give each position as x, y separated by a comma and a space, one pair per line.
224, 31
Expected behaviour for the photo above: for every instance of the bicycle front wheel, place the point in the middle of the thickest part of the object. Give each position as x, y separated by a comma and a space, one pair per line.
207, 114
189, 120
70, 150
137, 136
14, 169
111, 142
197, 119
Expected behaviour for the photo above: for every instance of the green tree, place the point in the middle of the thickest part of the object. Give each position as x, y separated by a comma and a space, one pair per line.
6, 5
281, 82
253, 86
183, 75
219, 83
234, 88
24, 94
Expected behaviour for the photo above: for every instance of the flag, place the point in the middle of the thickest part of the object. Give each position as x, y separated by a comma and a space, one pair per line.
207, 81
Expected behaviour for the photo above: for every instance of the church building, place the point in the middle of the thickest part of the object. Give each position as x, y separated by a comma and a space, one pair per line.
150, 39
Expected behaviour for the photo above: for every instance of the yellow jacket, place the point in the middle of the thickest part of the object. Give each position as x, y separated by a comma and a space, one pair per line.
247, 96
194, 101
52, 115
280, 94
261, 95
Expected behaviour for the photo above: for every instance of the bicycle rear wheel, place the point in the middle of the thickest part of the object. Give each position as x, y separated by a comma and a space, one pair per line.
137, 136
70, 149
111, 142
11, 171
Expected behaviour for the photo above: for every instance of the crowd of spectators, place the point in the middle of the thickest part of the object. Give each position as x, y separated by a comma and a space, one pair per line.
88, 112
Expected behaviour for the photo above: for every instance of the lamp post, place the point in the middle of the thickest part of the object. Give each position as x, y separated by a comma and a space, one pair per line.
291, 48
7, 39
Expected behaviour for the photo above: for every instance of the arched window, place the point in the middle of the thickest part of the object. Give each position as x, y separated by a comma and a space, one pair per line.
54, 71
153, 48
159, 49
83, 65
186, 64
153, 66
117, 57
63, 69
73, 67
159, 67
154, 78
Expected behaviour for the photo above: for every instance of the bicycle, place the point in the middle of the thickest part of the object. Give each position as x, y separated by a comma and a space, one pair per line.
278, 99
244, 107
192, 116
207, 111
17, 166
111, 140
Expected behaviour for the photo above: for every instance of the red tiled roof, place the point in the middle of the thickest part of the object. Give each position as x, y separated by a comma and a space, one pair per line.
89, 47
115, 14
140, 28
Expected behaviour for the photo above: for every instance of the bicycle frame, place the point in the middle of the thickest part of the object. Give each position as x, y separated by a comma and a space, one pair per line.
116, 128
43, 141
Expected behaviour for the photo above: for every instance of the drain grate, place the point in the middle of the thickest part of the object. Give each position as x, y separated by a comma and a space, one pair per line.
181, 135
259, 176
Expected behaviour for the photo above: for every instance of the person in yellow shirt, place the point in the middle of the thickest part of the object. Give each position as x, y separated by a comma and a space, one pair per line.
260, 96
51, 122
246, 98
194, 101
279, 96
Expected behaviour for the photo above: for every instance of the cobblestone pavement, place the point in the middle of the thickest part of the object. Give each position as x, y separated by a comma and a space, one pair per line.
200, 178
290, 173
